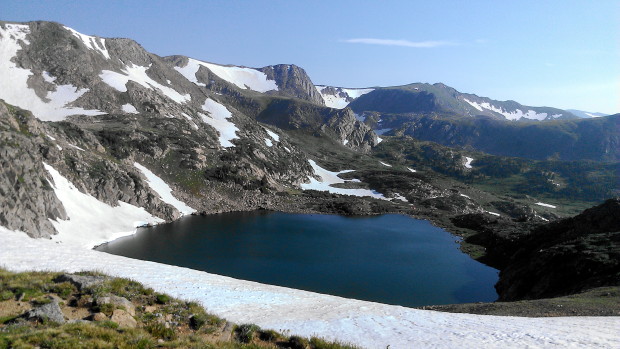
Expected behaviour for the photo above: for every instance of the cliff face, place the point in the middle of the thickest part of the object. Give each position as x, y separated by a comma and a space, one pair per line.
340, 125
26, 196
293, 81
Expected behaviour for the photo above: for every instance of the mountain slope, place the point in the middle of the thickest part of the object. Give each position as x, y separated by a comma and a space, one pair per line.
581, 139
582, 251
441, 99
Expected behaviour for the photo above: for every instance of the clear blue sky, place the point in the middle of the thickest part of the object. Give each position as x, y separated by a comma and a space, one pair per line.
560, 53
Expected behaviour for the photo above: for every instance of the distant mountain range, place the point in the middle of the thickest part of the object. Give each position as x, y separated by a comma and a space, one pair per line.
586, 114
437, 98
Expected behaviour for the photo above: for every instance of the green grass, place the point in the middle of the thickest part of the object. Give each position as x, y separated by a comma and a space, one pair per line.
195, 323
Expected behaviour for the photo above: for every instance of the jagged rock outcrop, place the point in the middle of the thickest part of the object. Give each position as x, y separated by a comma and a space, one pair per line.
26, 196
293, 81
340, 125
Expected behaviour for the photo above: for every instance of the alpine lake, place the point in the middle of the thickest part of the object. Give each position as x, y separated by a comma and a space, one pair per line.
392, 259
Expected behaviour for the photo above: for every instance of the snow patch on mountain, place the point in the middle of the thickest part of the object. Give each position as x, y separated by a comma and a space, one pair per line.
273, 135
92, 222
362, 323
164, 190
343, 96
382, 131
328, 178
130, 109
190, 121
511, 115
545, 205
384, 164
75, 147
245, 78
14, 82
138, 75
468, 162
218, 119
473, 104
189, 71
93, 43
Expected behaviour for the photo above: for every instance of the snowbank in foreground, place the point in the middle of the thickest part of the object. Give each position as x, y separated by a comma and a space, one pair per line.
367, 324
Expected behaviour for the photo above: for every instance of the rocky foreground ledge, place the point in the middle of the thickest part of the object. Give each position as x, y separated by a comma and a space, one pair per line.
309, 314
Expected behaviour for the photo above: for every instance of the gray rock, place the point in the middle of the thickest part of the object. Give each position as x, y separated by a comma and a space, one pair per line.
119, 302
47, 312
82, 282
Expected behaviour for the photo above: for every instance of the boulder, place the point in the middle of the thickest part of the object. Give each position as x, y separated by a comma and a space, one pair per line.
46, 312
82, 282
123, 319
118, 302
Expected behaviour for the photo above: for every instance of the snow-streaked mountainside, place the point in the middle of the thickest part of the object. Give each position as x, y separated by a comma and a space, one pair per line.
586, 114
338, 97
517, 114
54, 101
241, 77
367, 324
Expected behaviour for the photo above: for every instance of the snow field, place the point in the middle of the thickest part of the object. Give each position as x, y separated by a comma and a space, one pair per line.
164, 190
92, 222
337, 102
138, 75
14, 82
384, 164
245, 78
367, 324
328, 178
218, 119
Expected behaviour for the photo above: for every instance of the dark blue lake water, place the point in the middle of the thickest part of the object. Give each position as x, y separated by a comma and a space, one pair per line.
390, 259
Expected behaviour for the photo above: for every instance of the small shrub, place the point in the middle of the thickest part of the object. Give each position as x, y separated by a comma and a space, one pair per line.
64, 289
196, 321
245, 333
296, 342
268, 335
162, 299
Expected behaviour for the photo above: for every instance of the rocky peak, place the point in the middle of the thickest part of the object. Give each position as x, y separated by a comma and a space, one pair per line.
293, 81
